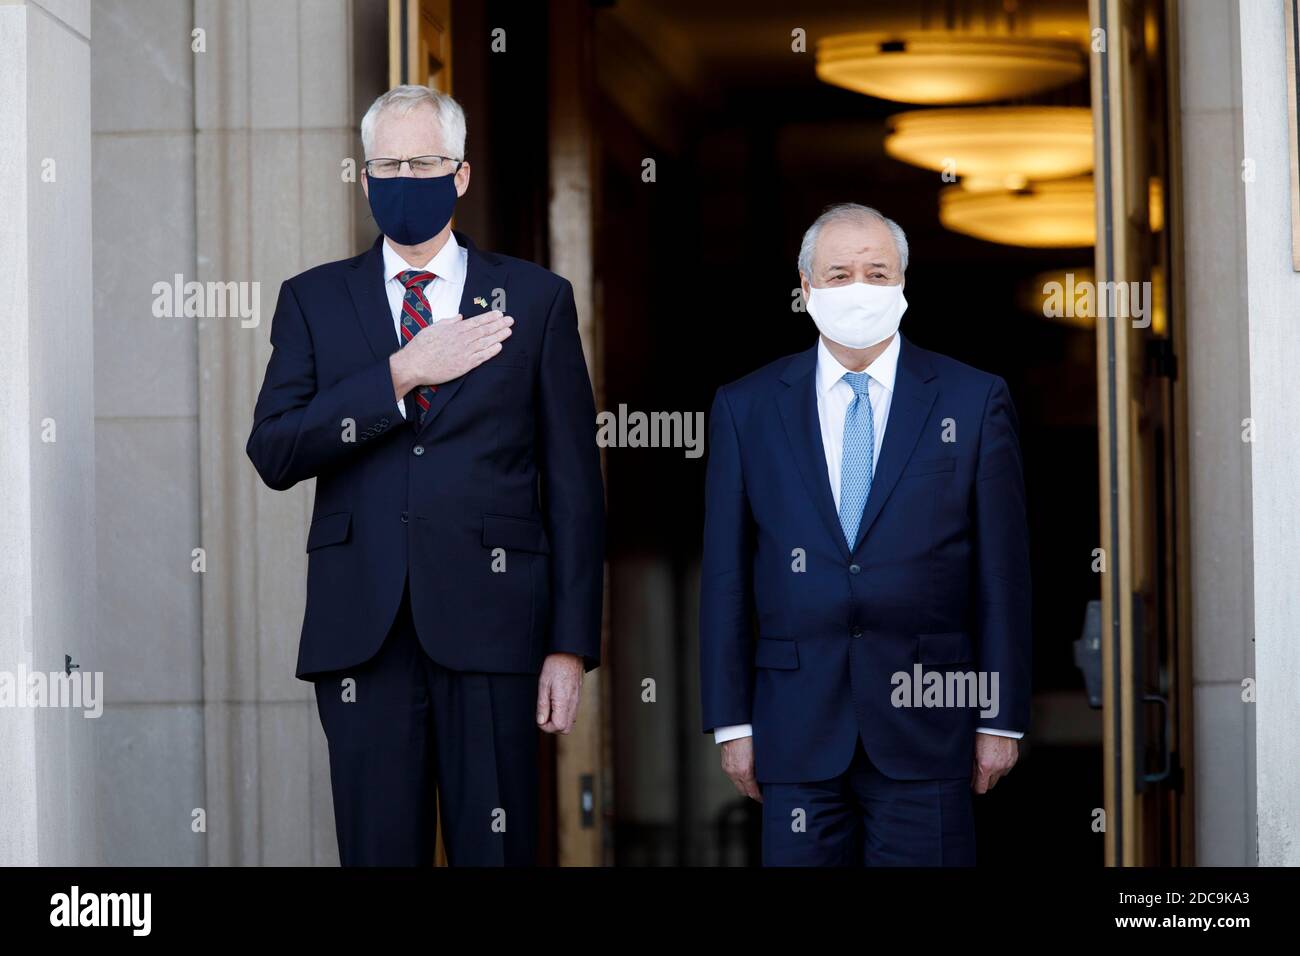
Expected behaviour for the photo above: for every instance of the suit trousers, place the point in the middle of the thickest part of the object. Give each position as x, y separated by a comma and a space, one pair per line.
405, 732
864, 818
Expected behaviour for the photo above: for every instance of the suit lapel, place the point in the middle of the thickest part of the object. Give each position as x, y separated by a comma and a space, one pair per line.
483, 274
366, 286
914, 395
798, 407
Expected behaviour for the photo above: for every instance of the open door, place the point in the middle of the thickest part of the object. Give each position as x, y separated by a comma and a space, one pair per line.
1144, 624
419, 43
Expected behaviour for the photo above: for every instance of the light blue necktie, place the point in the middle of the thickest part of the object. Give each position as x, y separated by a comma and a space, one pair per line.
858, 463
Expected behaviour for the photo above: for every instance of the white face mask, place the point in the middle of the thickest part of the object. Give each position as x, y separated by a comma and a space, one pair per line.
857, 315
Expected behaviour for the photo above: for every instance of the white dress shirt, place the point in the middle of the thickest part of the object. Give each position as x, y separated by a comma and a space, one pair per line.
834, 395
443, 293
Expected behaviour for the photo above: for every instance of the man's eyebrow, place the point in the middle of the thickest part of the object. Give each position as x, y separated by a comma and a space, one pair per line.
875, 265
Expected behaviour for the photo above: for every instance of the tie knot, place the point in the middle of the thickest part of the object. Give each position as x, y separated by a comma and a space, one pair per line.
415, 277
858, 381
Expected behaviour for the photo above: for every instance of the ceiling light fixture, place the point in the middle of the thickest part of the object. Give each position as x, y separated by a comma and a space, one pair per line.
941, 66
1045, 215
1001, 147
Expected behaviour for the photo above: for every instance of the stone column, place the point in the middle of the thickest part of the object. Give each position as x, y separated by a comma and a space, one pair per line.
1272, 291
47, 433
275, 121
1218, 399
1243, 350
150, 775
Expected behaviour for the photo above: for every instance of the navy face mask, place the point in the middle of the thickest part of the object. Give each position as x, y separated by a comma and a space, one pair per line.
411, 211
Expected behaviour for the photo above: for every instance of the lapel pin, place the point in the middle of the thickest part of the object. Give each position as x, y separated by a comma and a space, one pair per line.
480, 302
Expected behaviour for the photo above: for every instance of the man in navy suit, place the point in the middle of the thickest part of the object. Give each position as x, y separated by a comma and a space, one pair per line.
456, 544
865, 602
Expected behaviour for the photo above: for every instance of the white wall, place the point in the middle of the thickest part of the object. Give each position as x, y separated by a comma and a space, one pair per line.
1273, 305
1218, 380
1243, 353
47, 527
146, 427
275, 119
220, 165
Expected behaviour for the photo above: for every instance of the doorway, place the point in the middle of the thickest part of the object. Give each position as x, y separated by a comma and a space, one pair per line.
718, 146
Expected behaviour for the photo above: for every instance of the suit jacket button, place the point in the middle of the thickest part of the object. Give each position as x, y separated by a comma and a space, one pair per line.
854, 568
404, 517
857, 632
418, 449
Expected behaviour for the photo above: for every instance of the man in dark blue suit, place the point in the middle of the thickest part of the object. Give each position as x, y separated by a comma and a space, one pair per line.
865, 602
456, 545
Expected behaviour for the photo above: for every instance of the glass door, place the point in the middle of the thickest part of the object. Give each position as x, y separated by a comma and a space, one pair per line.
1144, 633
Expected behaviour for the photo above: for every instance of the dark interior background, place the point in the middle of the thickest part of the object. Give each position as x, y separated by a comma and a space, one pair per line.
696, 273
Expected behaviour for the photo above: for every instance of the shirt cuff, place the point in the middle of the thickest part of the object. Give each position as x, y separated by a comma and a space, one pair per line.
1017, 734
733, 732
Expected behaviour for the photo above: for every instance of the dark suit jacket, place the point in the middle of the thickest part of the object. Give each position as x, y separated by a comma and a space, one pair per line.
506, 459
939, 574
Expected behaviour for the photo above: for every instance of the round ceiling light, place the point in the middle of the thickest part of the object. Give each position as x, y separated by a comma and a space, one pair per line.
1001, 146
1046, 215
936, 67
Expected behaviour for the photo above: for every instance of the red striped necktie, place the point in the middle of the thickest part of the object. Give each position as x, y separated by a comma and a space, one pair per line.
416, 315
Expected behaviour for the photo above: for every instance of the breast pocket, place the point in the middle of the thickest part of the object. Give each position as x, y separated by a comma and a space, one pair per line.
929, 466
509, 357
504, 385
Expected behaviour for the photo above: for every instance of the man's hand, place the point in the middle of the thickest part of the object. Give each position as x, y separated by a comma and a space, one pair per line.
994, 758
738, 764
559, 690
448, 349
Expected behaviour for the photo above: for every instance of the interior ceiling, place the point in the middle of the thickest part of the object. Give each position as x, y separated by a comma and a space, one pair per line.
719, 42
698, 71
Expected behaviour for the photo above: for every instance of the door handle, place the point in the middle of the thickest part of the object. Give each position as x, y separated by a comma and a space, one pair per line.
1087, 653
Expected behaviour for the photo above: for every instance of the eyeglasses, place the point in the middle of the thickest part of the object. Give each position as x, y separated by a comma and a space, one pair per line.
422, 167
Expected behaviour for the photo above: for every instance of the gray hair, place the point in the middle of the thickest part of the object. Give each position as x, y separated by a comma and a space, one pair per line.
402, 99
849, 212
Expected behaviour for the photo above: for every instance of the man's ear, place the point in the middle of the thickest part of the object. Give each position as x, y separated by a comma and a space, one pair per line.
804, 284
462, 180
365, 183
